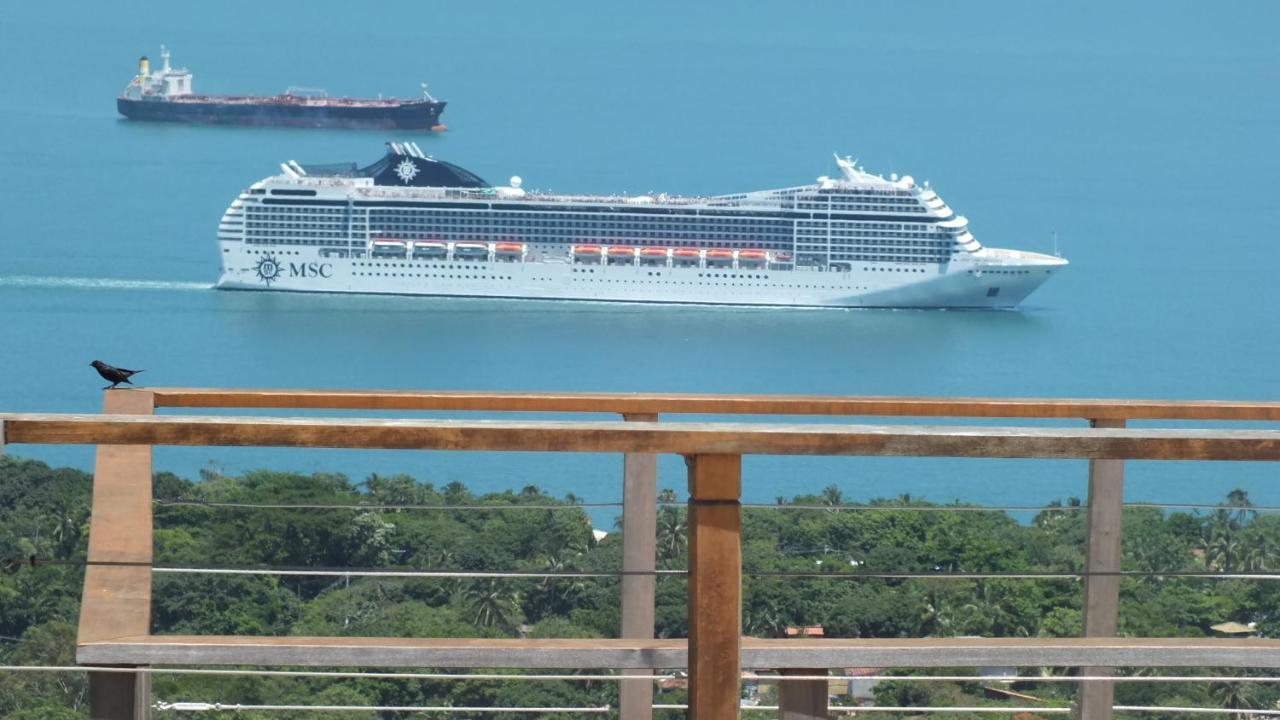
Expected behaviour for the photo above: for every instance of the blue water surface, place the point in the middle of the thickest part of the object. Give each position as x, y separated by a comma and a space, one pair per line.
1142, 134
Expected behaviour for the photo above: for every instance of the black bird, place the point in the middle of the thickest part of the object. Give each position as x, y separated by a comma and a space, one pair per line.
114, 374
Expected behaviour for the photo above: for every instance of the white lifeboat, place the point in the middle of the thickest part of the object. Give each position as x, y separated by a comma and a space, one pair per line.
388, 249
470, 250
428, 249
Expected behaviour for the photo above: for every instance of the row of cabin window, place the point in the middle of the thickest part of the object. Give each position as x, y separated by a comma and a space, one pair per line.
543, 220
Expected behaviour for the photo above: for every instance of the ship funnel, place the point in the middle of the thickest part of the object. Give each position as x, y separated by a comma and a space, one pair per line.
418, 150
144, 67
284, 167
298, 168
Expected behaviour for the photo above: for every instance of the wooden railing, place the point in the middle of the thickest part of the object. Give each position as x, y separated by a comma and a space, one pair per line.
114, 626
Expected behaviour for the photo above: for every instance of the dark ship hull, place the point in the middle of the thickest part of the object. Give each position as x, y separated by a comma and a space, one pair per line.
284, 111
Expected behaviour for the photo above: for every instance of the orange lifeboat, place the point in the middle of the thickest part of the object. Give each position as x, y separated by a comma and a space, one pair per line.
720, 257
752, 258
686, 256
622, 254
653, 256
586, 253
509, 248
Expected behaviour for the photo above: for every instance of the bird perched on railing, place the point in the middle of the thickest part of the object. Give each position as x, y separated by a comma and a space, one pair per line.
113, 374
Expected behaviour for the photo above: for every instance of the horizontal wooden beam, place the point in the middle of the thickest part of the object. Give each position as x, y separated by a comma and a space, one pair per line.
638, 653
647, 437
686, 403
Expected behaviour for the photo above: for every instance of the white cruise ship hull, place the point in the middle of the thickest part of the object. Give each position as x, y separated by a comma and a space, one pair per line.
409, 224
990, 279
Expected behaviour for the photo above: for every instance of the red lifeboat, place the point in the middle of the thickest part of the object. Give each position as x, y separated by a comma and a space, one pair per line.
509, 248
752, 258
586, 252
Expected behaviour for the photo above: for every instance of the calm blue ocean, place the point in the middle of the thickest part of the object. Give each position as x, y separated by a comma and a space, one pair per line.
1143, 134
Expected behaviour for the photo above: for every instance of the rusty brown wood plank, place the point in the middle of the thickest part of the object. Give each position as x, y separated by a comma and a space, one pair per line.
803, 699
1103, 554
116, 599
710, 404
671, 653
715, 586
639, 557
677, 438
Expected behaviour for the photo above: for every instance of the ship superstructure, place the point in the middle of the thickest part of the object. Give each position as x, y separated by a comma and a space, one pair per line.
167, 95
412, 224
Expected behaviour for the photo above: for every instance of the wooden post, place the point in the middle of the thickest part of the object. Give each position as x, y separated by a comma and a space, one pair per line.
117, 598
639, 555
715, 586
119, 696
802, 699
1103, 553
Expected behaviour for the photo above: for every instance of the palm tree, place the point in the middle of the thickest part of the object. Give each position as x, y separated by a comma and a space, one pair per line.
1223, 550
558, 593
764, 619
493, 603
1235, 696
831, 495
673, 528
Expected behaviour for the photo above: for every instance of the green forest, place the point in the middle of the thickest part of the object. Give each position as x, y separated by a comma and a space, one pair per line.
802, 567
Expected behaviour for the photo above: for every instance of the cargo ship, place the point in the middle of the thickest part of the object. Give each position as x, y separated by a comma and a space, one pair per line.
166, 95
410, 224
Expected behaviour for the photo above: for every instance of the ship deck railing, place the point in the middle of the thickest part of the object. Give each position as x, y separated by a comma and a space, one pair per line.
115, 624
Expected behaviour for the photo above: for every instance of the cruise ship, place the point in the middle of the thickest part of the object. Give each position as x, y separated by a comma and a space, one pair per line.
411, 224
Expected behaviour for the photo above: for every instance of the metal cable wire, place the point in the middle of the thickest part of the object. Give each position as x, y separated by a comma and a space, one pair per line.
1039, 710
754, 506
339, 572
176, 502
855, 709
236, 707
17, 563
335, 673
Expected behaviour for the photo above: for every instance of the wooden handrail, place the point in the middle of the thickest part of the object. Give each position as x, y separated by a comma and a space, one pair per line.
647, 437
669, 653
712, 404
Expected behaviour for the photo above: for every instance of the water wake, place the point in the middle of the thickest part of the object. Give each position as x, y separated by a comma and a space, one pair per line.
97, 283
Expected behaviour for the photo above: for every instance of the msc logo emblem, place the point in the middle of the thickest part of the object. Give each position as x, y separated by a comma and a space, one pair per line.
407, 170
268, 269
